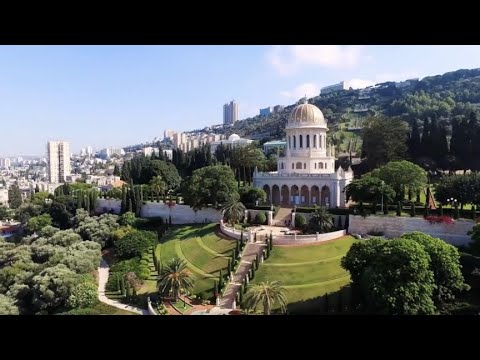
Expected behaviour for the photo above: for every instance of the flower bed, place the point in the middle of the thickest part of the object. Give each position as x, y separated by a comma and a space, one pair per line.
439, 219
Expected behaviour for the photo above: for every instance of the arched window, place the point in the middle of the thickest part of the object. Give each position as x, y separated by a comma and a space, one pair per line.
304, 166
289, 144
308, 141
299, 165
321, 165
301, 141
293, 166
314, 141
281, 165
294, 142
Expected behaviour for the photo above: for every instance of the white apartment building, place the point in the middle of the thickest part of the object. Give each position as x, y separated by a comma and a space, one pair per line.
5, 163
230, 113
58, 155
3, 197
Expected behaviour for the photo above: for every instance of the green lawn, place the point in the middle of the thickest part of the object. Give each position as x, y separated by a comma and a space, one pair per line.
201, 248
180, 306
307, 272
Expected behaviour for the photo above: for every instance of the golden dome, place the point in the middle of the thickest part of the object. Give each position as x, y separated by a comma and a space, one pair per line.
306, 114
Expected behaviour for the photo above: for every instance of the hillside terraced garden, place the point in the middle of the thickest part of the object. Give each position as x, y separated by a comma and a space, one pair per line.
205, 252
307, 272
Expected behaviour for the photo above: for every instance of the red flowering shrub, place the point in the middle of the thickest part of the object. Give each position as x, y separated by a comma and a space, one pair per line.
439, 219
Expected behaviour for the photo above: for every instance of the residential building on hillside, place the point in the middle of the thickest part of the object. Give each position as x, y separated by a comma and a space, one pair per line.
233, 140
333, 88
58, 156
230, 113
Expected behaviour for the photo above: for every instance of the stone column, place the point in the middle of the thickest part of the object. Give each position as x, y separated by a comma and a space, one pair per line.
293, 220
270, 218
317, 236
261, 259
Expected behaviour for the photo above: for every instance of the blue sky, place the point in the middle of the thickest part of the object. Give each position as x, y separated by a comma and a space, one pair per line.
121, 95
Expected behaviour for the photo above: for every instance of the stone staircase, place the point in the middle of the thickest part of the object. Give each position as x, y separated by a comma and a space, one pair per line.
246, 262
283, 217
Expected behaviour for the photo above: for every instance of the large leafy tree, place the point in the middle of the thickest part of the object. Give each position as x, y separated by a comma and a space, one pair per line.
99, 228
402, 175
7, 306
135, 243
445, 264
175, 278
250, 195
52, 287
384, 140
267, 294
40, 197
394, 276
233, 211
14, 196
37, 223
211, 185
464, 188
369, 189
4, 213
320, 221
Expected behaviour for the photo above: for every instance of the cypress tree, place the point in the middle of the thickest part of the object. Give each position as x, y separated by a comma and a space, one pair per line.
237, 246
234, 255
123, 205
215, 288
87, 203
340, 221
271, 243
412, 210
229, 267
473, 212
440, 207
442, 148
244, 286
256, 261
427, 210
170, 220
253, 271
414, 143
79, 199
220, 281
130, 206
159, 267
122, 286
385, 208
399, 209
456, 214
361, 209
37, 188
425, 143
119, 287
418, 197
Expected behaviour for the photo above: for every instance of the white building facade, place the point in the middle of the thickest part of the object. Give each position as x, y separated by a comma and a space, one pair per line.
233, 140
306, 176
58, 156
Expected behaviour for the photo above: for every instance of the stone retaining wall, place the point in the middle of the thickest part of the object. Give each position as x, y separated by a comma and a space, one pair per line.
394, 226
307, 239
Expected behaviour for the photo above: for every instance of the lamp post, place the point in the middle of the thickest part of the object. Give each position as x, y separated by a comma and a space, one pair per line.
452, 202
383, 184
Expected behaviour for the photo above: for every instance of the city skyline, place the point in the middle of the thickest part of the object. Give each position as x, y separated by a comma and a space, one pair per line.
114, 96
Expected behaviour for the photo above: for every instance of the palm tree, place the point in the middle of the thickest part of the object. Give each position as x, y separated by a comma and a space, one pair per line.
157, 185
267, 294
175, 278
233, 211
321, 220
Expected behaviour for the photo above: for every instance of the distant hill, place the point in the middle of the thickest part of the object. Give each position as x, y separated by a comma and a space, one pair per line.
452, 94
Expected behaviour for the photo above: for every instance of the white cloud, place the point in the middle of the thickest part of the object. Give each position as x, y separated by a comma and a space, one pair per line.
381, 78
308, 89
288, 59
360, 83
